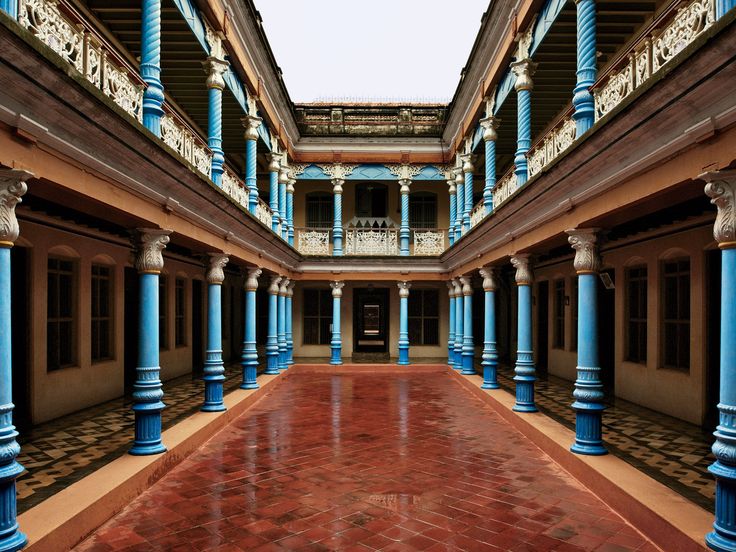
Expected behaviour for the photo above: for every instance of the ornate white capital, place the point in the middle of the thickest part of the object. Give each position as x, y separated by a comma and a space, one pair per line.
290, 186
721, 188
405, 184
151, 243
490, 102
403, 288
274, 162
468, 163
273, 289
458, 287
12, 187
524, 70
466, 285
284, 172
489, 278
583, 241
490, 124
451, 186
524, 275
337, 185
215, 69
251, 281
251, 124
459, 178
450, 288
337, 288
283, 286
290, 289
215, 270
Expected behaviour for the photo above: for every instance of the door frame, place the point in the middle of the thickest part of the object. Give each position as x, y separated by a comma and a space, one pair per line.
385, 298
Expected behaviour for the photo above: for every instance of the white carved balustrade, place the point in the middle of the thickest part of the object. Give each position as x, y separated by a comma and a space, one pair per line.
179, 137
365, 241
506, 186
58, 26
429, 242
671, 35
546, 150
264, 213
313, 241
235, 188
478, 213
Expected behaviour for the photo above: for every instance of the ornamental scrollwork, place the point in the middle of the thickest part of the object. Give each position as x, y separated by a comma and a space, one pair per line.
523, 275
466, 283
151, 243
429, 242
404, 287
584, 242
283, 286
338, 170
215, 270
273, 289
251, 280
337, 288
235, 188
721, 188
12, 188
405, 171
490, 282
314, 242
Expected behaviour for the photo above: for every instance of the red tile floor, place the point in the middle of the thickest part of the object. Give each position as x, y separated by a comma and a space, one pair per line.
368, 462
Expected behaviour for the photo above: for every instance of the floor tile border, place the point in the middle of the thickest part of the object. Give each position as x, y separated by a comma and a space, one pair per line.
66, 518
668, 519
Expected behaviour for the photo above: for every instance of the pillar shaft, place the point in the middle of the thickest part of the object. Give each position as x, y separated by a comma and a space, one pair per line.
525, 373
490, 354
10, 7
337, 219
453, 213
290, 212
153, 95
272, 344
468, 348
273, 180
468, 191
458, 325
490, 182
336, 341
460, 191
404, 232
582, 100
251, 165
723, 7
283, 181
451, 332
214, 368
524, 134
290, 325
281, 338
404, 323
249, 357
215, 69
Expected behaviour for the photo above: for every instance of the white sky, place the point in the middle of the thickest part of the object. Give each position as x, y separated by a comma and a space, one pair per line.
371, 49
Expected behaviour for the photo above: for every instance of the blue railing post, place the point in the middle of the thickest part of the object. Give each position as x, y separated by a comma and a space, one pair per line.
215, 69
524, 369
282, 323
251, 124
290, 211
147, 389
489, 124
272, 344
468, 349
490, 354
404, 232
460, 192
249, 358
12, 188
274, 167
468, 169
153, 95
582, 99
290, 324
453, 210
451, 332
588, 392
721, 188
404, 322
336, 341
337, 220
214, 368
11, 8
523, 69
283, 182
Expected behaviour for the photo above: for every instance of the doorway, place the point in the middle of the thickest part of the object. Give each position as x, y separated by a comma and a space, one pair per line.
607, 329
370, 316
542, 326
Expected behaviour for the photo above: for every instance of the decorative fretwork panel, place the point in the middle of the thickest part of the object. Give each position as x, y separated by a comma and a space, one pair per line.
551, 146
429, 242
506, 186
371, 242
264, 213
478, 213
235, 188
313, 242
186, 143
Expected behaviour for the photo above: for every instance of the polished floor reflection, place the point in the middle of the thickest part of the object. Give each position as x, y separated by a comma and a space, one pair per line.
368, 462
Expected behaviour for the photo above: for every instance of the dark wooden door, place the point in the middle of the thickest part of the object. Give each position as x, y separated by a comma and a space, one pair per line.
370, 316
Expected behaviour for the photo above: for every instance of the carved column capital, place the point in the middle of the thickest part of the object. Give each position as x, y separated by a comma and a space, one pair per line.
290, 288
337, 288
150, 244
274, 162
273, 289
459, 178
467, 286
524, 70
405, 184
583, 241
450, 289
290, 186
458, 287
404, 288
489, 278
215, 69
251, 280
215, 270
468, 163
522, 264
12, 187
490, 124
721, 188
283, 286
451, 187
251, 124
337, 185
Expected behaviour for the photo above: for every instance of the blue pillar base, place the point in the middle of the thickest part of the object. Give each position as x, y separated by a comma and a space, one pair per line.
249, 385
468, 368
524, 396
336, 357
403, 358
485, 385
588, 430
213, 408
723, 537
14, 542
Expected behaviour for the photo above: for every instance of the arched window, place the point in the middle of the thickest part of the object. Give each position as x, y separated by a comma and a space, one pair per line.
319, 210
423, 210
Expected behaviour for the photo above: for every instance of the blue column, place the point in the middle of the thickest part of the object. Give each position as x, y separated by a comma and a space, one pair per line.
153, 95
723, 7
453, 211
290, 324
460, 190
459, 304
468, 349
147, 389
490, 354
336, 342
12, 188
523, 69
249, 358
490, 124
451, 332
337, 221
290, 211
273, 180
251, 124
283, 182
582, 100
721, 188
282, 323
214, 368
215, 69
468, 169
588, 392
404, 323
524, 369
272, 344
404, 232
11, 8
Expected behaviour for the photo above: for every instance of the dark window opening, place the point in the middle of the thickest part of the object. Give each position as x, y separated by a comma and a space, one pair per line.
317, 310
102, 313
424, 317
676, 314
558, 338
636, 313
61, 321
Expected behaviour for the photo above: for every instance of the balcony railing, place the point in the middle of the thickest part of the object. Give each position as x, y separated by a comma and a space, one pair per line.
371, 241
